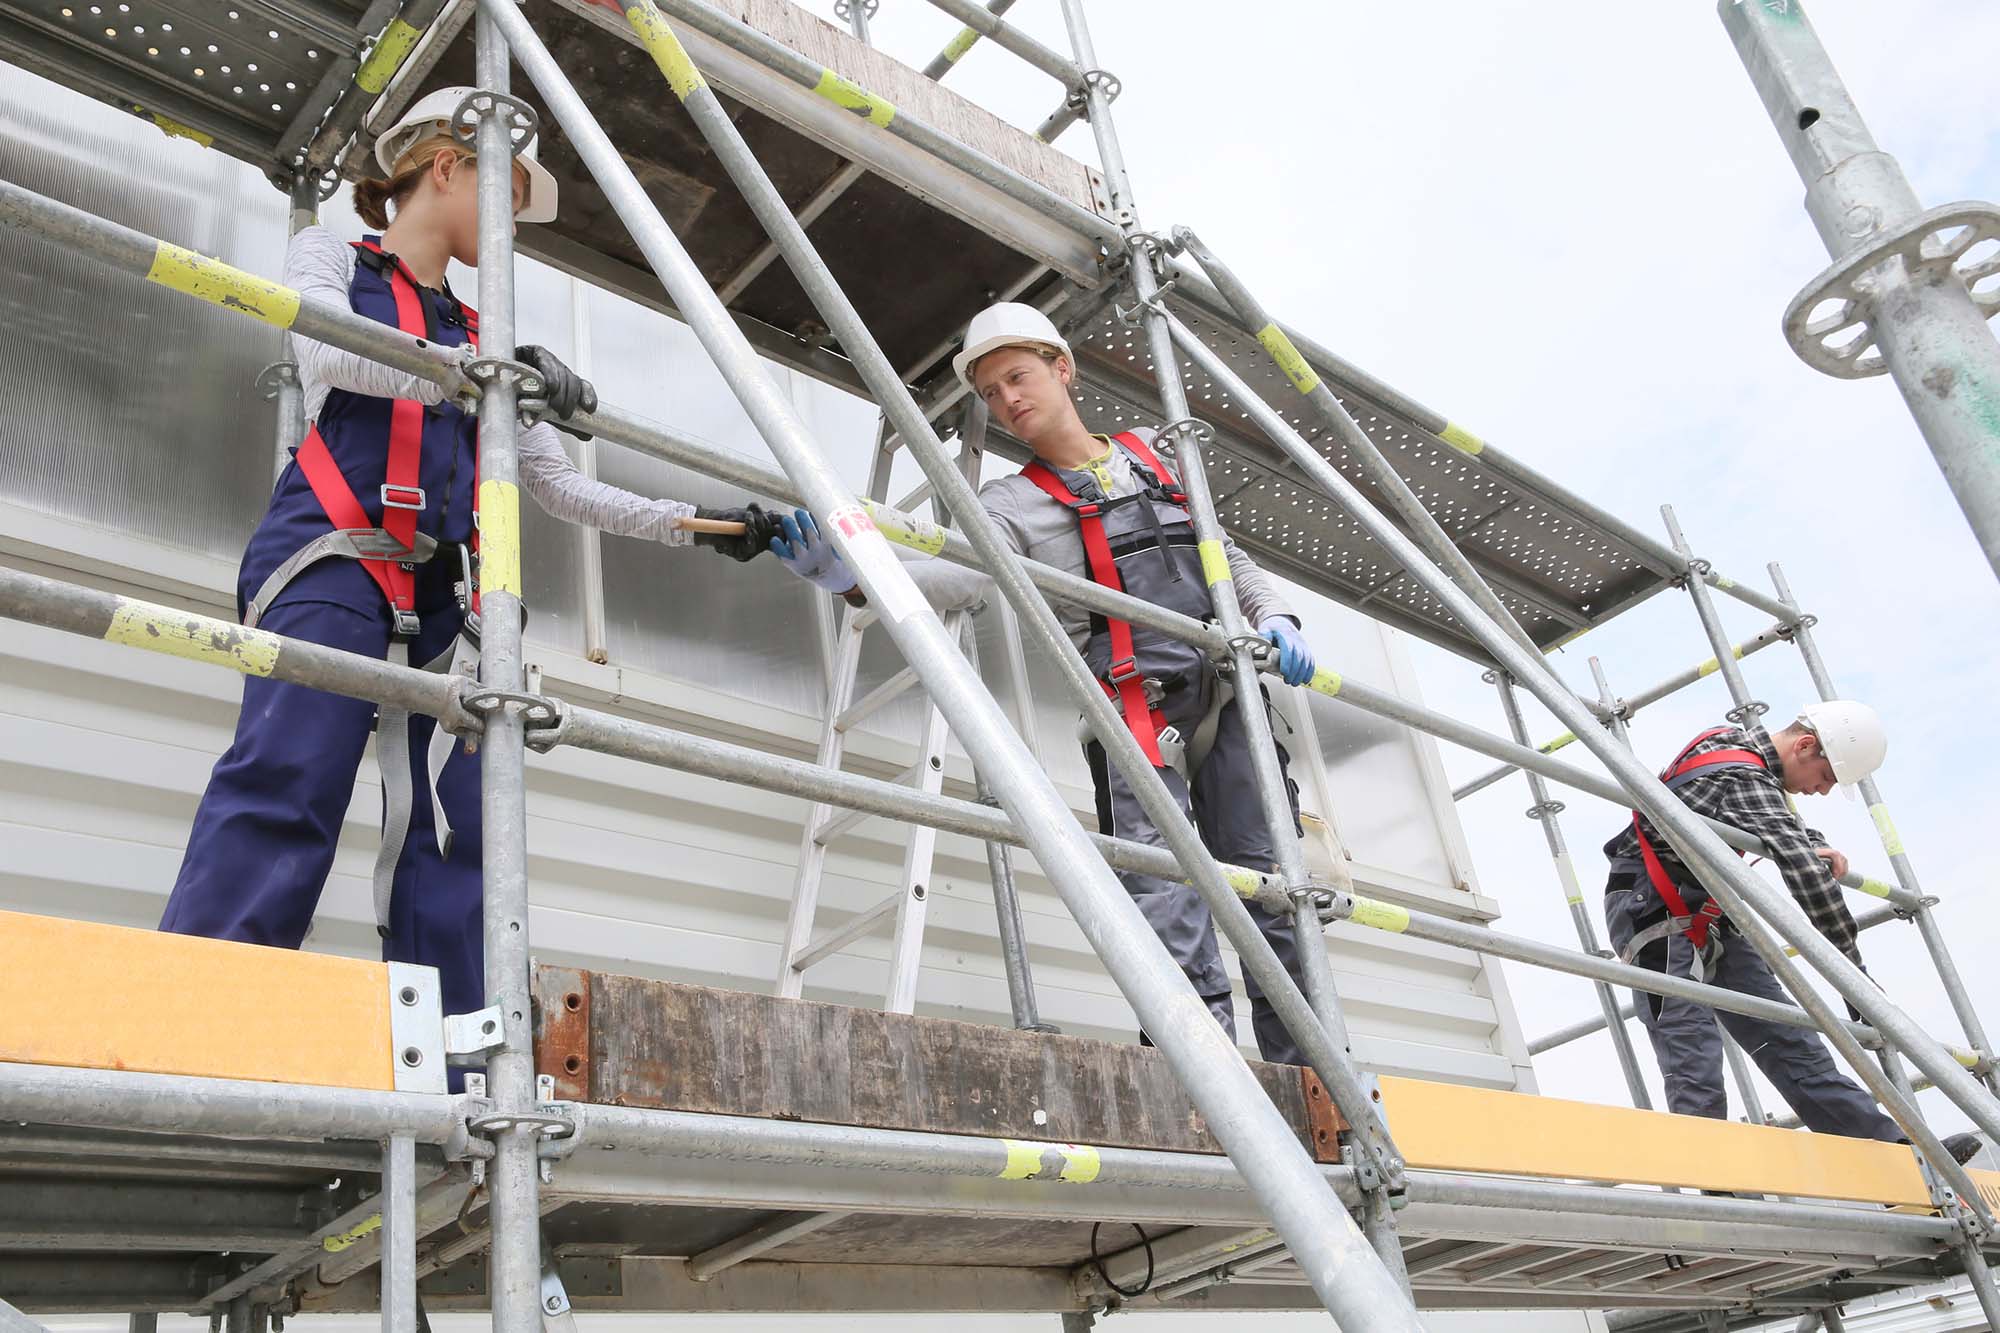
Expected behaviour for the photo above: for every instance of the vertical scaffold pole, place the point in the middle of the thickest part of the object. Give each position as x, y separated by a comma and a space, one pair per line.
1743, 711
1303, 1209
1766, 918
514, 1265
1544, 812
1328, 1058
399, 1235
281, 377
1189, 438
1899, 857
1932, 336
1970, 1255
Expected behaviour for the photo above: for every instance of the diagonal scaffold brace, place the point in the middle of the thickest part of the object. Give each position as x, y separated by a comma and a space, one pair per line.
1330, 1249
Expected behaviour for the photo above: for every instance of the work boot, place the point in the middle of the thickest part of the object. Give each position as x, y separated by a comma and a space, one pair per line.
1963, 1147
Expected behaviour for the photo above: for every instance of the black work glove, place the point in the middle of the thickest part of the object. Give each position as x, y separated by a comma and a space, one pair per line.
565, 391
759, 526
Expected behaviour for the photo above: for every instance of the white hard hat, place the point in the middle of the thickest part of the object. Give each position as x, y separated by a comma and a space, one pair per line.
431, 114
1850, 735
1008, 324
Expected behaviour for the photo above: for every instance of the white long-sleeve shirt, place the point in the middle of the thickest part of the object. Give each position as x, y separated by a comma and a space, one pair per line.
320, 265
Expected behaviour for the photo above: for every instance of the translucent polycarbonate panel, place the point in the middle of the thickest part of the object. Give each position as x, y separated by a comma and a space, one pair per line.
127, 405
1373, 776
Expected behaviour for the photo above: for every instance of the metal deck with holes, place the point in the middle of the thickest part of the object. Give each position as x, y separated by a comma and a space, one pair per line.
255, 78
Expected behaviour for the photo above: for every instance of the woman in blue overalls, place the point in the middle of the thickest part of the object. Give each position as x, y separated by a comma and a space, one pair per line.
388, 465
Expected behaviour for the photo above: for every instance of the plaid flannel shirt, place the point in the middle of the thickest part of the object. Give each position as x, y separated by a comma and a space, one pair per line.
1754, 800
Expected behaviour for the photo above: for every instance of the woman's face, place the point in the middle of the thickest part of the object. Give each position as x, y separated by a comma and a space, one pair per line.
456, 178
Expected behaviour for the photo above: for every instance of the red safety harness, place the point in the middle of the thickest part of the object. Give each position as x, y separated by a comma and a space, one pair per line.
1673, 775
402, 494
1122, 682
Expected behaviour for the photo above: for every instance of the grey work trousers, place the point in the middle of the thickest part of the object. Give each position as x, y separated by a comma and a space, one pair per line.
1689, 1048
1228, 815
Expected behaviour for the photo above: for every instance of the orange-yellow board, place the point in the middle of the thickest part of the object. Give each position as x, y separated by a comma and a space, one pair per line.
91, 996
1447, 1127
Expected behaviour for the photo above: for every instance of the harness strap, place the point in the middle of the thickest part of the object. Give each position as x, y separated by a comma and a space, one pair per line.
1122, 682
1695, 925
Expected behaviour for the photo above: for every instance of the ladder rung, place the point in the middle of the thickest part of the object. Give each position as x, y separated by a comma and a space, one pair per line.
847, 934
876, 699
836, 824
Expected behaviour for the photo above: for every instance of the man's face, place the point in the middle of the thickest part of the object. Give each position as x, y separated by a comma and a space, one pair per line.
1025, 392
1807, 770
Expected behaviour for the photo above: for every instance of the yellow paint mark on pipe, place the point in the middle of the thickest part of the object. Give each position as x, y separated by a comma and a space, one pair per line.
1247, 883
919, 534
1024, 1159
1885, 828
848, 94
1289, 358
956, 48
499, 537
198, 638
1080, 1163
354, 1235
1325, 682
173, 129
1724, 582
1875, 888
388, 55
1550, 747
219, 284
1214, 563
1461, 439
1380, 915
665, 48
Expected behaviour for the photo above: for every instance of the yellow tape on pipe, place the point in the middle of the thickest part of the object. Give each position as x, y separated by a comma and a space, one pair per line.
394, 47
1288, 358
846, 93
499, 537
665, 48
159, 629
219, 284
1380, 915
1214, 563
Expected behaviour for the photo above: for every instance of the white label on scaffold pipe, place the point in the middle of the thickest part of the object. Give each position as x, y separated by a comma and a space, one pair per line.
874, 562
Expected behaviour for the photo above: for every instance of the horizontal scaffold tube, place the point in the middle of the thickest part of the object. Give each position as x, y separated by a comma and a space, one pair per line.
180, 1104
103, 615
1634, 702
977, 18
681, 1134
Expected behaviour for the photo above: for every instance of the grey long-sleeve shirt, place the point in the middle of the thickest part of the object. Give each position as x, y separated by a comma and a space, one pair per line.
1036, 526
320, 265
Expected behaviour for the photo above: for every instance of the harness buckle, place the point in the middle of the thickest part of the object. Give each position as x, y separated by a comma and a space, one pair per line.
1122, 670
402, 497
407, 626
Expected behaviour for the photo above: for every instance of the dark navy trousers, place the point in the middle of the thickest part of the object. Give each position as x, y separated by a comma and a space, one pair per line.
264, 836
1689, 1048
1226, 811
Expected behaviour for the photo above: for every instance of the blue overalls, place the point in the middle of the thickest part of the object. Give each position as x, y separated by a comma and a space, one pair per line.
264, 836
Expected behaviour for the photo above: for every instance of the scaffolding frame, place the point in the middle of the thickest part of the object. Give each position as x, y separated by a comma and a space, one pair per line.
512, 1138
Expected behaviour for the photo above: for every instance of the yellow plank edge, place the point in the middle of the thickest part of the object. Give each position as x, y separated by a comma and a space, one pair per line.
89, 996
1449, 1127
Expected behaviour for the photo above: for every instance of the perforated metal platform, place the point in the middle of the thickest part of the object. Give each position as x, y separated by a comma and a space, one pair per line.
249, 77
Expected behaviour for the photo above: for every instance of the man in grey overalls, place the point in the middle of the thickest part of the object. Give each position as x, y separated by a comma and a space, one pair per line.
1111, 511
1658, 915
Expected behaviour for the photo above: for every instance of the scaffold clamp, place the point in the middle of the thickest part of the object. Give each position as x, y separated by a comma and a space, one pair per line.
468, 1037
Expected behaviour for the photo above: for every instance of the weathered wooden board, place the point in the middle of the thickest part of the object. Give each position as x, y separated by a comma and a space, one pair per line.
629, 1041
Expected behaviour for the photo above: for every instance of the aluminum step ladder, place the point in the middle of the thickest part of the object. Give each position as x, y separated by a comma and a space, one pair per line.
802, 949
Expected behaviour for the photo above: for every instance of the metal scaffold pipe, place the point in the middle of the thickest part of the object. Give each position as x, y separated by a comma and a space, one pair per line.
1315, 1225
1905, 304
1763, 916
513, 1178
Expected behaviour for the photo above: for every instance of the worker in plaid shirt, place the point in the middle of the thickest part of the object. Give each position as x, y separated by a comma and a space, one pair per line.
1659, 916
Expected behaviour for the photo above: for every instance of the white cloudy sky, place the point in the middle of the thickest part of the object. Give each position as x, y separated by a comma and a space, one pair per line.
1572, 228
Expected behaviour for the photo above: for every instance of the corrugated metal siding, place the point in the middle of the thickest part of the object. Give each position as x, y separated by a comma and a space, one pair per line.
104, 752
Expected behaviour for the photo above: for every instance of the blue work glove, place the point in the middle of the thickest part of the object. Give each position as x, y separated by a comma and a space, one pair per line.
801, 549
1295, 658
